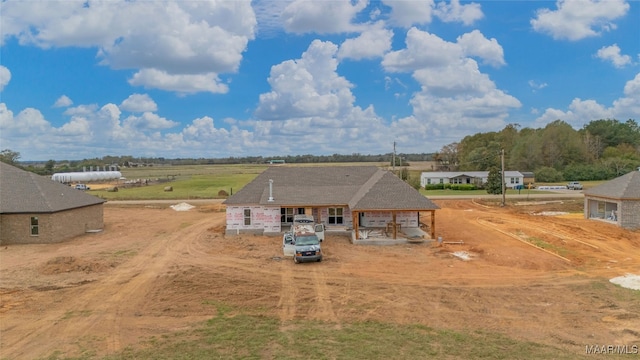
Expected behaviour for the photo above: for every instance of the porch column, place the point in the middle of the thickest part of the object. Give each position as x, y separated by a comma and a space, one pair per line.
433, 224
354, 219
395, 225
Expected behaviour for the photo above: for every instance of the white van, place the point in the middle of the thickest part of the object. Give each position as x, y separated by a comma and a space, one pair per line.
304, 222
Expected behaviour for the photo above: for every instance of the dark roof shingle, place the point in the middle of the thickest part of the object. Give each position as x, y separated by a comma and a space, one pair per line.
624, 187
360, 187
25, 192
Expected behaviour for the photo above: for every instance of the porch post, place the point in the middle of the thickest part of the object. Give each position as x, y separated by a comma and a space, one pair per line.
433, 224
355, 219
395, 226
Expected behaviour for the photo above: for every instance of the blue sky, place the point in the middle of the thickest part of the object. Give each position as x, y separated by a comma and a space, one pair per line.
176, 79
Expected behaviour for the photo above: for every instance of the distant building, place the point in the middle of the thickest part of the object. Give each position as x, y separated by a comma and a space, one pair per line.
35, 209
616, 201
512, 179
529, 177
276, 162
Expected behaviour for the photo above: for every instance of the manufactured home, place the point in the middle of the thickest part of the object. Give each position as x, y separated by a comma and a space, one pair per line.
513, 179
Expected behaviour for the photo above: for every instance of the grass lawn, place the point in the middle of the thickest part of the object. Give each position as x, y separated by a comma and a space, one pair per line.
187, 182
236, 334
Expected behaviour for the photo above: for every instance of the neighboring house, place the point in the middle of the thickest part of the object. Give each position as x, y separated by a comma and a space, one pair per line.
529, 178
617, 201
35, 209
340, 197
511, 178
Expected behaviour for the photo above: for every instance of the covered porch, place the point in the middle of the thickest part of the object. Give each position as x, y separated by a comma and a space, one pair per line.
393, 226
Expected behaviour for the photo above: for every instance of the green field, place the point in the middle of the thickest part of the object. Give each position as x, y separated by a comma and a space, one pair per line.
206, 181
187, 182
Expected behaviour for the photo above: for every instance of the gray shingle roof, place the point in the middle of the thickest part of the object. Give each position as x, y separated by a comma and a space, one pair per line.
360, 187
25, 192
624, 187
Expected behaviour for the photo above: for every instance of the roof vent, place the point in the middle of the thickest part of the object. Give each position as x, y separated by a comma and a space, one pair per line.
270, 190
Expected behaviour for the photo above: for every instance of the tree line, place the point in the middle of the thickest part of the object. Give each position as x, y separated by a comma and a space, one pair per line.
601, 150
52, 166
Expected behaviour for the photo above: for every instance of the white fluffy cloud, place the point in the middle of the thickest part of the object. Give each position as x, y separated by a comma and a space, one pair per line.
476, 44
628, 107
579, 19
581, 112
308, 86
184, 84
149, 121
371, 43
99, 131
310, 109
456, 98
303, 16
612, 54
423, 50
63, 101
454, 12
139, 103
5, 77
170, 42
406, 13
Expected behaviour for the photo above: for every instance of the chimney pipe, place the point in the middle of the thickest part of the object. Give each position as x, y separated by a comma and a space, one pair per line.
270, 190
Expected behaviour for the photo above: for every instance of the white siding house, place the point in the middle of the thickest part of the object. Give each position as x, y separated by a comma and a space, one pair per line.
512, 178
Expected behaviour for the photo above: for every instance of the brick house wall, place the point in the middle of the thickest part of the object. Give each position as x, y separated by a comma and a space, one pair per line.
52, 227
630, 214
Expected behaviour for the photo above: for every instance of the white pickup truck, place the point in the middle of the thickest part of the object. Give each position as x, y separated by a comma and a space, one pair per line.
574, 185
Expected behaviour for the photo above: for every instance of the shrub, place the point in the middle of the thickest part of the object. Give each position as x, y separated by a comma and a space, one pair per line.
548, 174
463, 187
434, 187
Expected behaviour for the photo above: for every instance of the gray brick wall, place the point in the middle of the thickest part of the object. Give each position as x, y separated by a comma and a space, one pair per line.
53, 227
630, 214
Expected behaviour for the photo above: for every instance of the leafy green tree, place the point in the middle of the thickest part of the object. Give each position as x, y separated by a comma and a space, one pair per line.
526, 154
612, 132
9, 156
548, 174
447, 158
494, 181
49, 166
404, 174
561, 145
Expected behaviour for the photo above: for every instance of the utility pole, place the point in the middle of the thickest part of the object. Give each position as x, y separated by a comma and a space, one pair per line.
502, 176
393, 161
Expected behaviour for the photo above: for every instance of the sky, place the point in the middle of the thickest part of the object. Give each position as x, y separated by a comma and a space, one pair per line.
223, 78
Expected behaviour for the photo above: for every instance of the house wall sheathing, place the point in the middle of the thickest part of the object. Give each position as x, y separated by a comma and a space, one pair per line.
266, 219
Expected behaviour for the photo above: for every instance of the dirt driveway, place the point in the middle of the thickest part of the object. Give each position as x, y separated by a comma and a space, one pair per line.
148, 272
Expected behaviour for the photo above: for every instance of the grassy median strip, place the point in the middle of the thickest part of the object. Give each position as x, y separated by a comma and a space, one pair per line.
235, 335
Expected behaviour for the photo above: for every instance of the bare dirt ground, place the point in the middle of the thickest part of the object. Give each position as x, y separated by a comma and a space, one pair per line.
148, 272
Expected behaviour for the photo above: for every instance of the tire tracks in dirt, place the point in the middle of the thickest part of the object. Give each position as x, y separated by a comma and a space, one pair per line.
105, 308
317, 301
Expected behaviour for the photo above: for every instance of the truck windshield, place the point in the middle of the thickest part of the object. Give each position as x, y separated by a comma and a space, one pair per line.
307, 240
